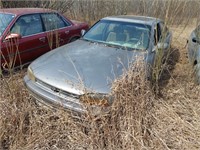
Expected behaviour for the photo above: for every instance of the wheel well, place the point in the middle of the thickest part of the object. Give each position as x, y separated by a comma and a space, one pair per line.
74, 38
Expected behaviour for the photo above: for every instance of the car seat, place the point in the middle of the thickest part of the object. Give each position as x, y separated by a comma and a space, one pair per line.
117, 34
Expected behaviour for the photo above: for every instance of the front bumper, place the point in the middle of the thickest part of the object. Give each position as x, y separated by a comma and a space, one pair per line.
50, 98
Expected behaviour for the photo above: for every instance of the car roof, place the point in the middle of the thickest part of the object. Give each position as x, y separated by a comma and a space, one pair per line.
134, 19
22, 11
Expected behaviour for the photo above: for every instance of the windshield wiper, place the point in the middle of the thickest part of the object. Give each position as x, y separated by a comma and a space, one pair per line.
120, 46
92, 41
85, 40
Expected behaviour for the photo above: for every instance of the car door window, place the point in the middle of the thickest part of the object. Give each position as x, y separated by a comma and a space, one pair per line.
164, 30
5, 21
28, 25
157, 33
53, 21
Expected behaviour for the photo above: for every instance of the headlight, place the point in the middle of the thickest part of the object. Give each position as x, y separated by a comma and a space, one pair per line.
96, 100
30, 74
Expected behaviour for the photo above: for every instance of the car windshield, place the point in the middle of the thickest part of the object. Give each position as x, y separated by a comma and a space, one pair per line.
5, 19
124, 34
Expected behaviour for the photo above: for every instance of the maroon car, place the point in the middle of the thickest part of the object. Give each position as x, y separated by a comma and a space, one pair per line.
26, 33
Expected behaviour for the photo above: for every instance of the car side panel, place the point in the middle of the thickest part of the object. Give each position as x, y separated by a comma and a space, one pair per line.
25, 49
63, 36
33, 41
71, 32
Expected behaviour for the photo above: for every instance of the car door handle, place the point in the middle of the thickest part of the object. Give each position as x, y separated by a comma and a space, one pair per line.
66, 32
42, 39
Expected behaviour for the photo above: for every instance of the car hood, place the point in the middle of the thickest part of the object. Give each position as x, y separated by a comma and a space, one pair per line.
83, 65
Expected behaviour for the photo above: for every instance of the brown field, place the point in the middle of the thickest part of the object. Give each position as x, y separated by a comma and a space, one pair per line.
168, 119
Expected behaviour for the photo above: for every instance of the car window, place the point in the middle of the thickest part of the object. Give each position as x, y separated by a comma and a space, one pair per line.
157, 33
5, 19
53, 21
28, 25
160, 32
123, 34
164, 30
98, 31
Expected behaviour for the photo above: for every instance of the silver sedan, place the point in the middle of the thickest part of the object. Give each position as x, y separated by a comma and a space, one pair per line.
61, 77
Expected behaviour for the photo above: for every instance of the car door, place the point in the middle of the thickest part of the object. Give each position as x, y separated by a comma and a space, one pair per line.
58, 30
165, 33
31, 42
157, 40
162, 39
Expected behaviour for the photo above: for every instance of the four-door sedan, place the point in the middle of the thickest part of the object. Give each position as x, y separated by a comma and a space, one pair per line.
26, 33
194, 52
88, 66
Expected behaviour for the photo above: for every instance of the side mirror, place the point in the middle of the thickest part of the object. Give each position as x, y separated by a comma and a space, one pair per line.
13, 36
83, 32
163, 46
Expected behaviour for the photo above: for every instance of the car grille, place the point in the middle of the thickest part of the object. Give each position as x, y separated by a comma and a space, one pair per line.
56, 90
62, 98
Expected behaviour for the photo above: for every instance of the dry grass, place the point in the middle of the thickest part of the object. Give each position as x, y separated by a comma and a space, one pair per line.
138, 119
24, 125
